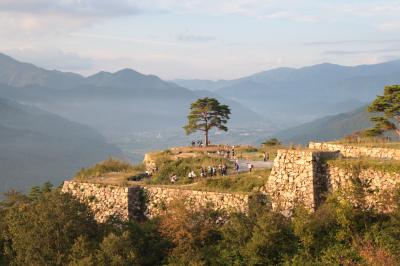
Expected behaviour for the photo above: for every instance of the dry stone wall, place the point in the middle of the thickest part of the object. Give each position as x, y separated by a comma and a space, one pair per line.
160, 197
356, 151
379, 186
135, 202
106, 201
304, 177
297, 177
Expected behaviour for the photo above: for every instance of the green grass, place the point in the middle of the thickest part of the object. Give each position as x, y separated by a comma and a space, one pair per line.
369, 142
181, 167
110, 165
390, 166
244, 182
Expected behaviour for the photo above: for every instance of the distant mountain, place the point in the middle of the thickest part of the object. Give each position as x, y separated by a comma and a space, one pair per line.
130, 109
18, 74
303, 94
327, 128
37, 146
203, 84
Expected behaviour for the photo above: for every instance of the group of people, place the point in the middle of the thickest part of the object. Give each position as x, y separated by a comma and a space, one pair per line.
221, 169
198, 143
227, 152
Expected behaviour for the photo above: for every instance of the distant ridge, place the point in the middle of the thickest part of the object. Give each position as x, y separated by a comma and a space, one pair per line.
297, 95
327, 128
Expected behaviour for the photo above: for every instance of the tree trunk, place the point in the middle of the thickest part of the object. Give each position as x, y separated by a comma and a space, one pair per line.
206, 137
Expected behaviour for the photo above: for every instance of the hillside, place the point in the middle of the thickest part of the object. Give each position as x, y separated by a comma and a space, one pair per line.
327, 128
297, 95
37, 146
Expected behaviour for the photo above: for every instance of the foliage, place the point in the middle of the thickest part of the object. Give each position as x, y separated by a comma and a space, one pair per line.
205, 114
389, 105
50, 228
41, 232
272, 142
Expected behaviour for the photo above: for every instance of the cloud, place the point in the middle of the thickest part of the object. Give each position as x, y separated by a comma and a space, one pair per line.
195, 38
389, 26
53, 59
351, 42
70, 7
356, 52
59, 16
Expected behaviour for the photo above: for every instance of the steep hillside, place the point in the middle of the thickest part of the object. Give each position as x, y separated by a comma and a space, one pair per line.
327, 128
37, 146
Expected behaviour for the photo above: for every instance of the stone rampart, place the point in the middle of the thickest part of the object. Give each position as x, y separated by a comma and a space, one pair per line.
357, 151
105, 201
304, 177
379, 186
138, 201
297, 177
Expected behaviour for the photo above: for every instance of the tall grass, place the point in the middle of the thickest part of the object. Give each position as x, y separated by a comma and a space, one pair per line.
110, 165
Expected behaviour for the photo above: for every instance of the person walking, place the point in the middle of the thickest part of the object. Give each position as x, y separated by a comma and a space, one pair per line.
250, 167
236, 167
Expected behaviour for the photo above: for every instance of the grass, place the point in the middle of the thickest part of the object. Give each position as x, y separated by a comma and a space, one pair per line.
369, 142
390, 166
111, 168
244, 182
182, 166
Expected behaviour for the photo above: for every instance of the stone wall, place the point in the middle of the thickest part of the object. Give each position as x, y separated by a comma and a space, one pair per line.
106, 201
160, 197
304, 176
297, 177
136, 202
379, 187
357, 151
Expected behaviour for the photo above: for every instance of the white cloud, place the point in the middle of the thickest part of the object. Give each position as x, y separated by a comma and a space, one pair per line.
389, 26
52, 59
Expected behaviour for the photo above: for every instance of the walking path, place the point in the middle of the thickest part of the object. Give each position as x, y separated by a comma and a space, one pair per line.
256, 164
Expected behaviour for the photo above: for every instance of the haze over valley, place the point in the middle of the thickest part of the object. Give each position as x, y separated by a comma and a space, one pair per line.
136, 112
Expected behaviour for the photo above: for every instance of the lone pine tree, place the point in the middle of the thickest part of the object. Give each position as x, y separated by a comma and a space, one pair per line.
389, 105
205, 114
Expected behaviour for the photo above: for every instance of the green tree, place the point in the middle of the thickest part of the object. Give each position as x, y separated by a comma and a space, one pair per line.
205, 114
42, 232
389, 105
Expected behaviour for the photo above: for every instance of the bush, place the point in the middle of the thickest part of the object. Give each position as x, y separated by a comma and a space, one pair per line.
272, 142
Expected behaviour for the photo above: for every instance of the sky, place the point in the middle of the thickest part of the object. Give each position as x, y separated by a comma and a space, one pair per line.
202, 39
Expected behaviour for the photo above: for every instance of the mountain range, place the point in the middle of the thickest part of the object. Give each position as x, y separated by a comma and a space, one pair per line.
298, 95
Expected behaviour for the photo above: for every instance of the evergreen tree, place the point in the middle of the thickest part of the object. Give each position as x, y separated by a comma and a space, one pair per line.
205, 114
389, 105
